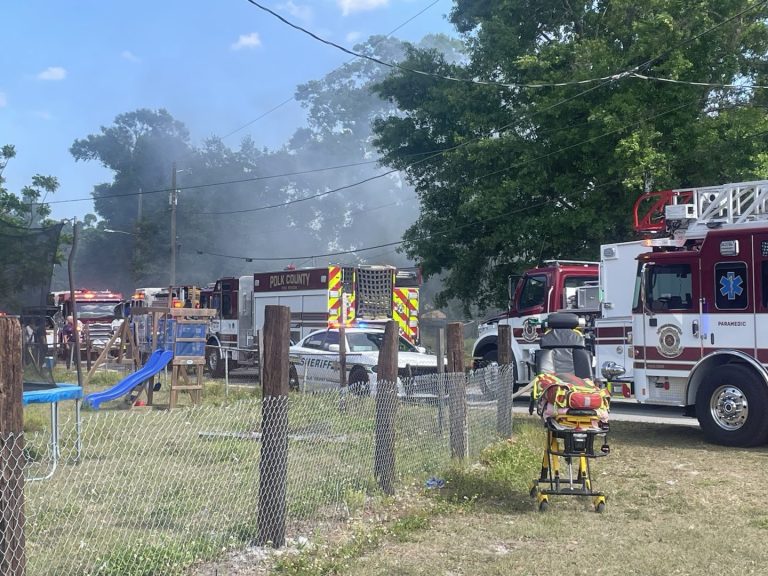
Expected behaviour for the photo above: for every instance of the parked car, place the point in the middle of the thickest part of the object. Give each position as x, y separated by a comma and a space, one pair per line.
315, 361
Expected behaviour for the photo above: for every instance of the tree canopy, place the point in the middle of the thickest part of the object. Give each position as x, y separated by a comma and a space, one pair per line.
29, 241
508, 173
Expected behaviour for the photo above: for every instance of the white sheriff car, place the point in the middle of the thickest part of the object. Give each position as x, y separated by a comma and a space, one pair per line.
315, 361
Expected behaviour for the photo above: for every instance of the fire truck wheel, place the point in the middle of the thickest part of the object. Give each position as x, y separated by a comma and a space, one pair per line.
213, 362
358, 382
731, 404
293, 379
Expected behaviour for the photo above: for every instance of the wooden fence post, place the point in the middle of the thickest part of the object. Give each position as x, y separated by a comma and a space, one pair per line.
273, 464
12, 543
457, 396
439, 352
505, 383
386, 410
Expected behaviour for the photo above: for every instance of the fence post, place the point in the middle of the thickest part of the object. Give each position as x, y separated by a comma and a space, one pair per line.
386, 407
457, 397
273, 464
505, 383
343, 353
12, 553
439, 352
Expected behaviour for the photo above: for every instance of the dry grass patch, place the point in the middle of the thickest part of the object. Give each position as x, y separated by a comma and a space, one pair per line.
676, 506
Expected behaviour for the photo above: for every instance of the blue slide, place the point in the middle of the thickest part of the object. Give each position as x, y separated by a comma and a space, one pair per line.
156, 362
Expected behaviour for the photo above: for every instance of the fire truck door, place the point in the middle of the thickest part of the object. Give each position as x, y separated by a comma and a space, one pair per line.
671, 330
728, 306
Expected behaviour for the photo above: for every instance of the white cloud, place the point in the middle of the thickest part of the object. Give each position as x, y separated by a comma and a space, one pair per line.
3, 100
251, 40
352, 37
349, 6
52, 73
299, 11
130, 56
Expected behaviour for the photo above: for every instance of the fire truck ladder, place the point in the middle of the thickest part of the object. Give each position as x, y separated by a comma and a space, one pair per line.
689, 213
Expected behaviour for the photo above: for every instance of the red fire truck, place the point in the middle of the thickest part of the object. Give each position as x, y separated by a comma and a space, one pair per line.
96, 309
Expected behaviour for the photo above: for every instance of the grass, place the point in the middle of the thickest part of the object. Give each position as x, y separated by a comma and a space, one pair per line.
676, 505
156, 491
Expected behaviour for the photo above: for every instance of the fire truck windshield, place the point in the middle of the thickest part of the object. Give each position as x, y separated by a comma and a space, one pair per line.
95, 310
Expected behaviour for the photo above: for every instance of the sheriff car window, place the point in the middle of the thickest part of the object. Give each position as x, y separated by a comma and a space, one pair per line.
534, 291
315, 341
331, 337
731, 286
372, 341
670, 287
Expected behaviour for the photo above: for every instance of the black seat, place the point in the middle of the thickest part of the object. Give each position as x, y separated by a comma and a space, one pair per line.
563, 350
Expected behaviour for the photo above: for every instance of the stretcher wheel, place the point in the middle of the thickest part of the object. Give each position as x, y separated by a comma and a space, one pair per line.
543, 505
600, 504
534, 491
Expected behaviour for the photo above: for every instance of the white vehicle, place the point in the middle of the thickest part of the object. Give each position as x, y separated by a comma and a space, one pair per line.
315, 361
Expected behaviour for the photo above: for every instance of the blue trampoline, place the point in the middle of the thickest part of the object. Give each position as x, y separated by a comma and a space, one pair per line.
48, 393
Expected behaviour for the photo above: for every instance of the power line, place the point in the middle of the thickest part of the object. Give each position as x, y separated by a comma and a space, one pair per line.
296, 200
692, 83
225, 182
292, 98
396, 66
402, 68
397, 243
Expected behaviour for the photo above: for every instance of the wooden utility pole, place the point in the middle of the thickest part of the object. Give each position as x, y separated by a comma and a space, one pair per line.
174, 201
73, 300
505, 383
457, 395
273, 464
12, 543
386, 410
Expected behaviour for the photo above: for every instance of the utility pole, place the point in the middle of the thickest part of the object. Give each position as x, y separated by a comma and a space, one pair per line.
173, 200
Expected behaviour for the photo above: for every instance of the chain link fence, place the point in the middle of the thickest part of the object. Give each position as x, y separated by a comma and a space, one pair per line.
153, 492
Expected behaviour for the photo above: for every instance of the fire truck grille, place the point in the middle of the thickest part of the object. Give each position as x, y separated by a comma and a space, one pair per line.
99, 332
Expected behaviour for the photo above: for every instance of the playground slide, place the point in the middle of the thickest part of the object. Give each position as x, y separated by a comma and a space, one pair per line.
154, 364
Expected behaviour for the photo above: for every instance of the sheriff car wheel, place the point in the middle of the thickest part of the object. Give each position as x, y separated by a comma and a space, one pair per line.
358, 382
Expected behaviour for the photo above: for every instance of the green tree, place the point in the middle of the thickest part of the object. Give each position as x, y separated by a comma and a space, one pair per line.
29, 241
525, 173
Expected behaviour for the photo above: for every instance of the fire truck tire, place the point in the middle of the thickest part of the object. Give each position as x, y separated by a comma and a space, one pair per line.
358, 382
214, 362
293, 379
731, 404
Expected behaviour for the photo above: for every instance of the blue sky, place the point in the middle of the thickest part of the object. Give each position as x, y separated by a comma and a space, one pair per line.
71, 67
